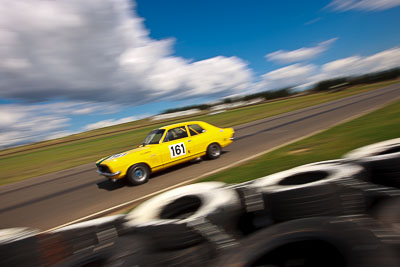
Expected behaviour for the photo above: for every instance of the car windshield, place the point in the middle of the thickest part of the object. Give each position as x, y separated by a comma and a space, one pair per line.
154, 137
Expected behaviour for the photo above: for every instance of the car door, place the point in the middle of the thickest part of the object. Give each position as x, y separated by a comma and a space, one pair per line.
198, 138
176, 146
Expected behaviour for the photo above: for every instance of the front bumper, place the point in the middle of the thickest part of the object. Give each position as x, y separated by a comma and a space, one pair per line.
108, 174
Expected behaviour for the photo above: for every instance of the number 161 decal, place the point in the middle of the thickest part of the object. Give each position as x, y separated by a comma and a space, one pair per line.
177, 150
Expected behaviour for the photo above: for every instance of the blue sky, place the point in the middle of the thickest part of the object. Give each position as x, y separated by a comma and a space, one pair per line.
251, 29
70, 66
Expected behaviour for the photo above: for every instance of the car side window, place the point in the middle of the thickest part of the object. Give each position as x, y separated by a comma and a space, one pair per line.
195, 129
176, 133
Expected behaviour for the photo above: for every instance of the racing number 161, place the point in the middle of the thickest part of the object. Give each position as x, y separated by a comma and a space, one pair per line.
177, 150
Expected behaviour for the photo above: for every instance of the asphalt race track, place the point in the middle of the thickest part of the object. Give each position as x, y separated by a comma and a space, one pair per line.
51, 200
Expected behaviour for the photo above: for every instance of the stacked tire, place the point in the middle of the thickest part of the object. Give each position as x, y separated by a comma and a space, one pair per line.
187, 226
343, 212
381, 160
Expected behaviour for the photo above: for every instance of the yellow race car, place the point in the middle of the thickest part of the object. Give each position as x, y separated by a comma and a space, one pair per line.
165, 147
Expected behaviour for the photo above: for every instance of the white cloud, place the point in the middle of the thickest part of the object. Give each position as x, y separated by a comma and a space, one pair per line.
357, 65
111, 122
100, 51
365, 5
22, 124
289, 76
301, 54
312, 21
303, 76
218, 73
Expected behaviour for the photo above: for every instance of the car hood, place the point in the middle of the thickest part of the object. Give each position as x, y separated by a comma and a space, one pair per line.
131, 152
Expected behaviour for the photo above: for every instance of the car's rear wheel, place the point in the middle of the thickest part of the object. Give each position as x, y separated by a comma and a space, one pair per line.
213, 151
138, 174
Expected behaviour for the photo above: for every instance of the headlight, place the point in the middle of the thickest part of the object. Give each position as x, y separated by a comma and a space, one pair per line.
117, 156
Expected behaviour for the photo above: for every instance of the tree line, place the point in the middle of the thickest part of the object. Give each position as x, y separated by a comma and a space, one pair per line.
343, 82
326, 85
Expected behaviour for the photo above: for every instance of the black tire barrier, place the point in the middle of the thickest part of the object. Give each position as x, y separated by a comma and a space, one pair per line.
382, 160
271, 221
318, 241
308, 191
187, 216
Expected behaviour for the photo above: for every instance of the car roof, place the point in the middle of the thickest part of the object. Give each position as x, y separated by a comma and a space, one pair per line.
181, 124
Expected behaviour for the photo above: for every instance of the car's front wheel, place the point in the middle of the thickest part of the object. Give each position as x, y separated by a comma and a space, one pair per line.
138, 174
213, 151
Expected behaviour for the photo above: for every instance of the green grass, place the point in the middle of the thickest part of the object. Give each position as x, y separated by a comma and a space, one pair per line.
374, 127
45, 157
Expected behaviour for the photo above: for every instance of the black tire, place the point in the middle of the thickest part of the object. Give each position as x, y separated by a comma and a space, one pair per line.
83, 243
129, 250
138, 174
134, 251
90, 228
187, 216
253, 216
386, 178
195, 256
19, 247
213, 151
365, 184
85, 259
387, 212
382, 160
319, 241
328, 162
308, 191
